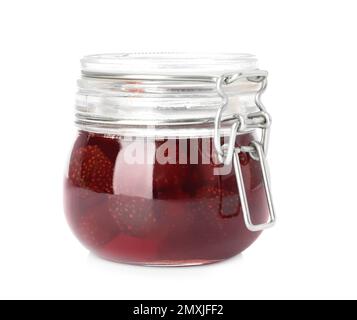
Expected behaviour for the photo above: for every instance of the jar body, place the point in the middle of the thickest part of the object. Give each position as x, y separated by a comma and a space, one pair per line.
139, 209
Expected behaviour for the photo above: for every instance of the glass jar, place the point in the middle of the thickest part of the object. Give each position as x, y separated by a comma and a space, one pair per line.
168, 167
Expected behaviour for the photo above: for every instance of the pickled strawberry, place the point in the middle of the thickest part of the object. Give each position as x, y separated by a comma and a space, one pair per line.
133, 215
96, 227
216, 203
90, 168
171, 180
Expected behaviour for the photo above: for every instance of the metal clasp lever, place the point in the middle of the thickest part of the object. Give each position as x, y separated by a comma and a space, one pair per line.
241, 188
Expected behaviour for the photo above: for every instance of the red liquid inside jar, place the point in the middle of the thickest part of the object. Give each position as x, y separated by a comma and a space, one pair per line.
160, 213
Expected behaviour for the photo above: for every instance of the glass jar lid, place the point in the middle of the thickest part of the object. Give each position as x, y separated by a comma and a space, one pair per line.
121, 93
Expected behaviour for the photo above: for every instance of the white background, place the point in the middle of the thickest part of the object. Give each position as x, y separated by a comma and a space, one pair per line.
309, 48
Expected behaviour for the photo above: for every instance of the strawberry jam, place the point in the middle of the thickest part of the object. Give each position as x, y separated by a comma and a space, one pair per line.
180, 212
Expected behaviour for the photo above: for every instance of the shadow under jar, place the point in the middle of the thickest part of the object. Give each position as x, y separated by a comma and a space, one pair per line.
168, 166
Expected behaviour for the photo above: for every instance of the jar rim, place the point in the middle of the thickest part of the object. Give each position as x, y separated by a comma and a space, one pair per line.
165, 64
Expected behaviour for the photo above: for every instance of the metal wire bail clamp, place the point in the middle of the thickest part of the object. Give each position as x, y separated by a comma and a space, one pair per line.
228, 152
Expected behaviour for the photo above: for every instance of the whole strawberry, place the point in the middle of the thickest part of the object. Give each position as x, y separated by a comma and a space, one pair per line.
134, 216
96, 227
90, 168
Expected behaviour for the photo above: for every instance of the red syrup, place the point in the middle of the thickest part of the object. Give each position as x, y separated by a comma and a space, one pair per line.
159, 214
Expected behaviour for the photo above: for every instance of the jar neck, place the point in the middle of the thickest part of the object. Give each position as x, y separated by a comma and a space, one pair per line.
151, 105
